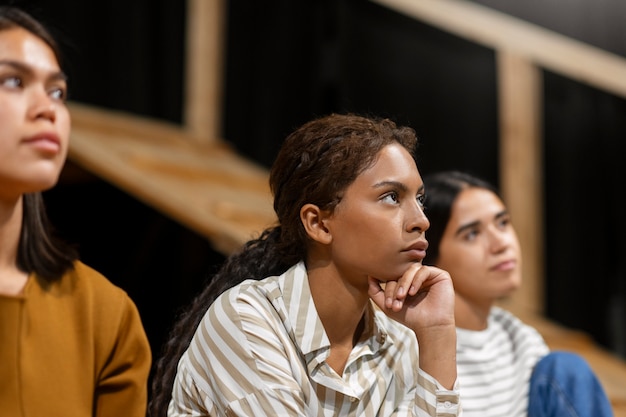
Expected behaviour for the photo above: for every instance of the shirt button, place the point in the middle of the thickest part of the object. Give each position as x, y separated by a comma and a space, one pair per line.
447, 404
352, 399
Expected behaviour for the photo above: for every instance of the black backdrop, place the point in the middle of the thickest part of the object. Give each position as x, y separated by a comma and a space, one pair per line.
289, 61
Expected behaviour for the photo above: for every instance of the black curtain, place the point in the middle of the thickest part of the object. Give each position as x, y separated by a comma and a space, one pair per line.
289, 61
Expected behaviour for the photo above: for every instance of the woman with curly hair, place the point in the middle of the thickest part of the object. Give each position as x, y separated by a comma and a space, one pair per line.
330, 312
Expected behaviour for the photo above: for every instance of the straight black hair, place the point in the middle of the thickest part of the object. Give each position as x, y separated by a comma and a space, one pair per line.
442, 190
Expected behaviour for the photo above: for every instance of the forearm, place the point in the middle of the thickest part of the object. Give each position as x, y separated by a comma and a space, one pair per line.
437, 354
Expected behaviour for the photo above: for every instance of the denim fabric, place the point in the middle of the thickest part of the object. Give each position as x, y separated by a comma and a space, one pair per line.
563, 385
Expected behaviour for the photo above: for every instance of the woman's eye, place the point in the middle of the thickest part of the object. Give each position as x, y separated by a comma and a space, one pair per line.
11, 82
421, 200
58, 94
471, 235
504, 222
391, 197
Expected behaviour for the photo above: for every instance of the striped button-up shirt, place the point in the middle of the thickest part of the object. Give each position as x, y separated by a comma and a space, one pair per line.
261, 348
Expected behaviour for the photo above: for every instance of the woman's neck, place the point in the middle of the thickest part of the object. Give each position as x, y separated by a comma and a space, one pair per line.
12, 280
341, 309
10, 229
339, 305
471, 315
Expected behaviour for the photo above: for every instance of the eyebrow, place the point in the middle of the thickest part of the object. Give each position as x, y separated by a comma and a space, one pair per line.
396, 184
465, 227
471, 225
56, 75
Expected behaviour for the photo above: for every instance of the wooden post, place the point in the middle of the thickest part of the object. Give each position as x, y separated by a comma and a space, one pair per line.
521, 169
204, 68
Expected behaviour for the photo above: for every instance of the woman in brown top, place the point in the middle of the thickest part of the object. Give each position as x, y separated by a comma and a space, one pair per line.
72, 344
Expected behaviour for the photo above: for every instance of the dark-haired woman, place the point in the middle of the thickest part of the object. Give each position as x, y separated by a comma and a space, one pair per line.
330, 313
71, 343
505, 368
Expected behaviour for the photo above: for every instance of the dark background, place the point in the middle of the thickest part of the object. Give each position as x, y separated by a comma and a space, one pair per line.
288, 61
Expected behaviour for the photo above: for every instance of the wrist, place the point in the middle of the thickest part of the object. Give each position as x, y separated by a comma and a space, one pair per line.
437, 353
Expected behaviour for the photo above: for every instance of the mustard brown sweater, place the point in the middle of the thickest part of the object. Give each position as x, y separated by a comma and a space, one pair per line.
73, 348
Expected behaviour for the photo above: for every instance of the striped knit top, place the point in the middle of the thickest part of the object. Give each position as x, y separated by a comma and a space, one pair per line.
260, 351
494, 366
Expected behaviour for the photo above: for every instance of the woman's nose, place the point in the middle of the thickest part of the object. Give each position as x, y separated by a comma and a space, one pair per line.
42, 105
417, 220
498, 240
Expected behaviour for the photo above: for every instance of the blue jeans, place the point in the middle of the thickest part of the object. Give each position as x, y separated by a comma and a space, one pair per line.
563, 385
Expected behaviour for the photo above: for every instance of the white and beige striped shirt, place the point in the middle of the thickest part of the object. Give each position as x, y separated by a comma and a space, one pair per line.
260, 351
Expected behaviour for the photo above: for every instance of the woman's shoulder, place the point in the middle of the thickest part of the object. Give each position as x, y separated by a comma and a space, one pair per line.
84, 277
87, 289
291, 284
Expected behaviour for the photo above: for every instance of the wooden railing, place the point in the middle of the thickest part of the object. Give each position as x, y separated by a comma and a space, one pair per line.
205, 186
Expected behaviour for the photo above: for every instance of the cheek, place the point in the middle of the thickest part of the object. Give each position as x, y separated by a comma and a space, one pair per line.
516, 246
64, 124
9, 114
9, 129
361, 234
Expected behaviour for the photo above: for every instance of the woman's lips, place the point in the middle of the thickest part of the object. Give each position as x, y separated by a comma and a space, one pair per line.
505, 266
417, 251
46, 142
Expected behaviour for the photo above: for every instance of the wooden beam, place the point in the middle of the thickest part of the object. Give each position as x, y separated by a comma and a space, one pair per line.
547, 49
521, 168
206, 187
204, 68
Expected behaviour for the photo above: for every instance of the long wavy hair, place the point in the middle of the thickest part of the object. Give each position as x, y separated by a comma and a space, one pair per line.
39, 251
315, 164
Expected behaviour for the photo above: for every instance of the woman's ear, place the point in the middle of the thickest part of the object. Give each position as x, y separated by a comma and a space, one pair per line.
313, 219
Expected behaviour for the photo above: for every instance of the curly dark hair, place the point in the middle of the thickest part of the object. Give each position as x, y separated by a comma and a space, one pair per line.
315, 164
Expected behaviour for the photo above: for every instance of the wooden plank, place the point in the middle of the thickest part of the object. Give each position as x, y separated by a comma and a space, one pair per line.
204, 68
206, 187
521, 168
549, 50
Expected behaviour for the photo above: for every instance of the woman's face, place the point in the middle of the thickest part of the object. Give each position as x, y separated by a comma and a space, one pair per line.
479, 248
34, 121
378, 226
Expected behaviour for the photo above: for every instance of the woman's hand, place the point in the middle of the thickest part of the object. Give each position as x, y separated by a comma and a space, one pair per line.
423, 300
